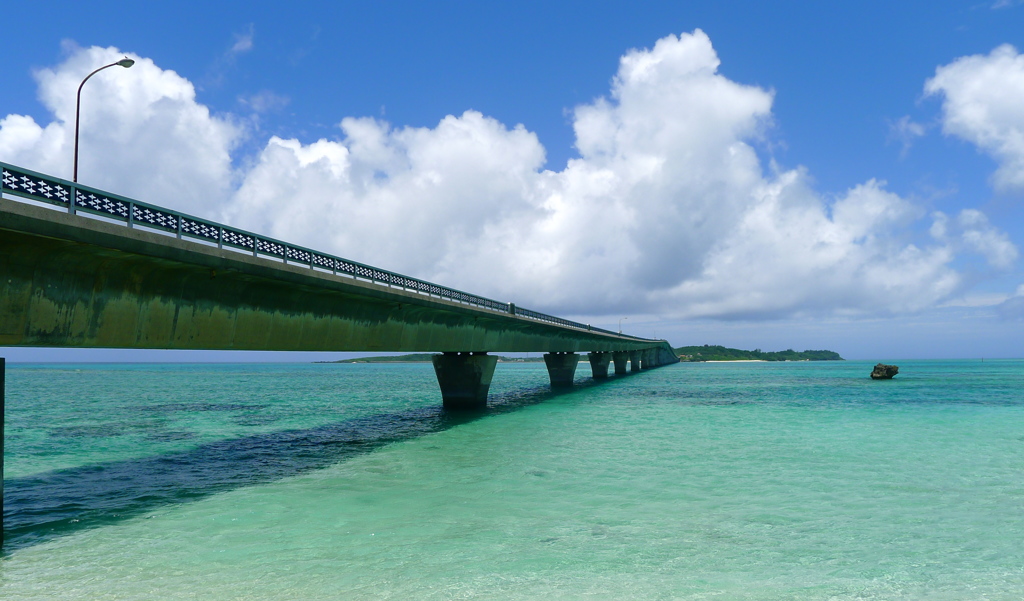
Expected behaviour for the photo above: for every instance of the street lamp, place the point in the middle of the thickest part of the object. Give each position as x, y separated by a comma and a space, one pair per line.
124, 62
620, 324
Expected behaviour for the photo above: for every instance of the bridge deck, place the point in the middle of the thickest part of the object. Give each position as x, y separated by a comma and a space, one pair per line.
75, 281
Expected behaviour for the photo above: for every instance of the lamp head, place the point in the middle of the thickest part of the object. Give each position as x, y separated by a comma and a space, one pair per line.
126, 62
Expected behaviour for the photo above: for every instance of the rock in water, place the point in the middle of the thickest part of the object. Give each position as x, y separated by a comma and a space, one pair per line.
884, 372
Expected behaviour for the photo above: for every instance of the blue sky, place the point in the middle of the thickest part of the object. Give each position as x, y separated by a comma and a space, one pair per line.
715, 145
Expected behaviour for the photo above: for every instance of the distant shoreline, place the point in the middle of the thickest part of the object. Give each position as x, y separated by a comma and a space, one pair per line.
716, 353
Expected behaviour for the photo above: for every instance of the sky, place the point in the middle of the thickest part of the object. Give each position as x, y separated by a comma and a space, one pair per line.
842, 176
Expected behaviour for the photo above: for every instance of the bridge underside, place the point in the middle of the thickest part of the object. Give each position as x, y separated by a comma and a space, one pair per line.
69, 281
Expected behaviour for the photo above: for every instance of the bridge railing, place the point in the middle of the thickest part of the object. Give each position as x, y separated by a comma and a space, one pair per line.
77, 198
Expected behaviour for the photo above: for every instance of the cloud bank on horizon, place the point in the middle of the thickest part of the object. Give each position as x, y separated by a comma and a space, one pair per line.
668, 209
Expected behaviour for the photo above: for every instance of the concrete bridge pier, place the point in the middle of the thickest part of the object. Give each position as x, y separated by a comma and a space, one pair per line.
621, 358
634, 361
464, 379
599, 364
561, 368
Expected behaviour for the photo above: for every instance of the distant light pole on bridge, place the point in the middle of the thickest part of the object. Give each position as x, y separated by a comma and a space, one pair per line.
124, 62
620, 323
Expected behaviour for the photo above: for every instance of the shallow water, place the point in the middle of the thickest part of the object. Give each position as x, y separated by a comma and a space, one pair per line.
695, 481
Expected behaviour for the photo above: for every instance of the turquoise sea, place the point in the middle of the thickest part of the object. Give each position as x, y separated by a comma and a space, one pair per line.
692, 481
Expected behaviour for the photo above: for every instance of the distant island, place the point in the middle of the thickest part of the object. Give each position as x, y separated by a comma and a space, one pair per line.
721, 353
425, 358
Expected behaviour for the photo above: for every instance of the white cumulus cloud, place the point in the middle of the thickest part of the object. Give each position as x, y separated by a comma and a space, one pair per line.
667, 210
142, 132
407, 199
983, 103
972, 231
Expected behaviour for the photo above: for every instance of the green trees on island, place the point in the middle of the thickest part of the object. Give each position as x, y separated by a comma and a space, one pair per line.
720, 353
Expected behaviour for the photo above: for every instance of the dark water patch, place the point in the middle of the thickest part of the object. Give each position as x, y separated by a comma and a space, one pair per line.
200, 407
109, 430
170, 436
255, 419
94, 431
49, 505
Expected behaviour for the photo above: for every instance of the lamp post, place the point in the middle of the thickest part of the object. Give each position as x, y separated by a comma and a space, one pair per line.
124, 62
620, 324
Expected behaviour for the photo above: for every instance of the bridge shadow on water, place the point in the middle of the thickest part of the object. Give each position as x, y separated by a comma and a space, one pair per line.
46, 506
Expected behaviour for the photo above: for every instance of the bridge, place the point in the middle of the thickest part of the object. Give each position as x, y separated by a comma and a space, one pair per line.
86, 268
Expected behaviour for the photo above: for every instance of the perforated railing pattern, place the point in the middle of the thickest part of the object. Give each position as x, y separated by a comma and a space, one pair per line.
26, 184
230, 237
83, 199
200, 229
157, 218
99, 203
